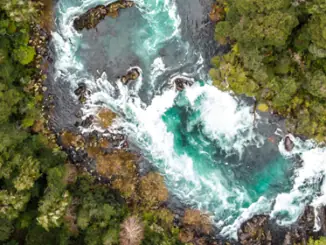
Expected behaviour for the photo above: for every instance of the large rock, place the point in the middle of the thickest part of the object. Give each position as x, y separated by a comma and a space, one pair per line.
255, 231
288, 143
131, 75
92, 17
181, 83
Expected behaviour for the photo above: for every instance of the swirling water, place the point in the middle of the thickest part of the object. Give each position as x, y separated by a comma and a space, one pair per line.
205, 142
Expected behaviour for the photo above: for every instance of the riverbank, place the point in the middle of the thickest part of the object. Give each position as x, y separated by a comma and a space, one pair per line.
110, 158
62, 117
281, 66
278, 65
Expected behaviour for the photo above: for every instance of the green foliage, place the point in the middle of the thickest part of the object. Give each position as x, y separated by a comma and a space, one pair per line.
5, 229
223, 31
52, 209
317, 84
278, 56
260, 23
317, 30
12, 203
28, 173
316, 6
247, 7
320, 241
24, 158
24, 55
263, 30
43, 200
20, 11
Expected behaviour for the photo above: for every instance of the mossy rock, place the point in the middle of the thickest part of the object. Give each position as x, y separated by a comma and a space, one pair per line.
69, 139
262, 107
105, 117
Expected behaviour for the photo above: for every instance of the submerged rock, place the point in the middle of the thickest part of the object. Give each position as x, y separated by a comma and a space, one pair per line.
288, 143
92, 17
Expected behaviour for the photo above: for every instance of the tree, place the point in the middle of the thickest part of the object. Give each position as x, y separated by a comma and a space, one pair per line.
20, 11
12, 203
317, 30
28, 174
24, 54
153, 189
52, 210
132, 231
277, 55
317, 84
253, 7
6, 229
197, 221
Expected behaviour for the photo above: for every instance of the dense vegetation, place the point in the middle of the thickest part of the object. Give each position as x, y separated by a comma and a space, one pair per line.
278, 56
45, 199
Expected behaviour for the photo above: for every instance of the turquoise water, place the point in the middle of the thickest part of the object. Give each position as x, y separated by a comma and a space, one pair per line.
205, 143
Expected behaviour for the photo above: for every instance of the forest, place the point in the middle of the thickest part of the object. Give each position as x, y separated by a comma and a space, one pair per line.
44, 198
278, 56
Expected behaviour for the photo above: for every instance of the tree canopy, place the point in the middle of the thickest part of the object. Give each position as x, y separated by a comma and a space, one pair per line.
278, 56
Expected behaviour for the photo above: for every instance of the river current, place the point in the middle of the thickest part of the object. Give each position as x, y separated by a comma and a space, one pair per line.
213, 154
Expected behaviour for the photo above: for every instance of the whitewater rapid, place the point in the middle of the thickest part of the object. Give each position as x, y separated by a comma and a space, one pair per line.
198, 139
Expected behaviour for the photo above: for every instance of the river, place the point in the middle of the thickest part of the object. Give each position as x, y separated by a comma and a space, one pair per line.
213, 154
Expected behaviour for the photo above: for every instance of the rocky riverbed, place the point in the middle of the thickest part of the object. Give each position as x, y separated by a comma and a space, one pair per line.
67, 119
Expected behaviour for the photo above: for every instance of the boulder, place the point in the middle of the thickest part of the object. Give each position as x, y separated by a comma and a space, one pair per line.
132, 75
288, 144
87, 122
81, 89
255, 231
92, 17
181, 83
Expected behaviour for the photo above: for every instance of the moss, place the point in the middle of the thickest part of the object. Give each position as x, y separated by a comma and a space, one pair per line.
262, 107
105, 117
70, 139
320, 241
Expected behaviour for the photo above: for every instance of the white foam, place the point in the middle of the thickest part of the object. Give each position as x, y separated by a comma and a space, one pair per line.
145, 127
262, 206
306, 180
225, 120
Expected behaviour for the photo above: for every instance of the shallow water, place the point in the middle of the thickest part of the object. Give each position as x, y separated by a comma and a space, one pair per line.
214, 156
